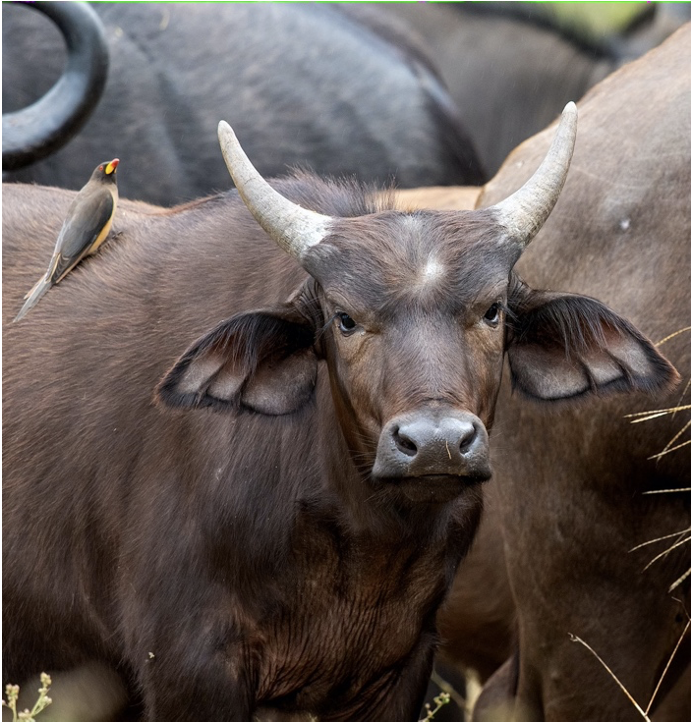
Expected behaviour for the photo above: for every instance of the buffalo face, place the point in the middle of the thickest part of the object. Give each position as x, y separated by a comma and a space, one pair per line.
414, 336
413, 313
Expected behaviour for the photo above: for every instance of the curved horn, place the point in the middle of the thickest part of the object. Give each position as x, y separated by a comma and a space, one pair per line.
37, 131
526, 210
292, 227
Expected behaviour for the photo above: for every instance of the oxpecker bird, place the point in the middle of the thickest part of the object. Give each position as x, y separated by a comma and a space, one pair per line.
87, 225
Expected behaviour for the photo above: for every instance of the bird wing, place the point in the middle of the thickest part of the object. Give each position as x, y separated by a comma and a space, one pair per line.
38, 290
79, 233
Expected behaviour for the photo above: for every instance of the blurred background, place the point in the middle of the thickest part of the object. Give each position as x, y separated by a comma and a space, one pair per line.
418, 93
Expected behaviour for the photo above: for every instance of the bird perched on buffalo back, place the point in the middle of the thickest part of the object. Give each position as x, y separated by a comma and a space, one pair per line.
87, 225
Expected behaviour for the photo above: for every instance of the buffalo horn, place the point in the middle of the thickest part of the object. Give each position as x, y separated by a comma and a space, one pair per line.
32, 133
526, 210
292, 227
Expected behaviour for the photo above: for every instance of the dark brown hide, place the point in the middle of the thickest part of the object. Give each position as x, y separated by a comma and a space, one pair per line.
568, 493
200, 537
478, 618
257, 556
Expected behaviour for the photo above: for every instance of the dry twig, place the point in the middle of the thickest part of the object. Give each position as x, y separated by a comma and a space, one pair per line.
644, 715
643, 712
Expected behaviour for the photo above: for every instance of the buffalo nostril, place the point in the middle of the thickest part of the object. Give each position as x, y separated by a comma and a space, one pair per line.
404, 443
429, 443
467, 437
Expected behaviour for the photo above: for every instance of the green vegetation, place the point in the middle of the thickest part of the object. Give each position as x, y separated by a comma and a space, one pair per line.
12, 693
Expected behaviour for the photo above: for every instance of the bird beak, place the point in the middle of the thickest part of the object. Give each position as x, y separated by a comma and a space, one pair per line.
111, 166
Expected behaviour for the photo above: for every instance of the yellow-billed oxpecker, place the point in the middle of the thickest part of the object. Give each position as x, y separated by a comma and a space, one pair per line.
85, 228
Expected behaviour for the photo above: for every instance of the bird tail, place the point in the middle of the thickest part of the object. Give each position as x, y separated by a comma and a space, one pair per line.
40, 288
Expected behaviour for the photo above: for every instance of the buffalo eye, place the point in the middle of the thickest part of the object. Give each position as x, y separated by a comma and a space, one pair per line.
492, 316
346, 324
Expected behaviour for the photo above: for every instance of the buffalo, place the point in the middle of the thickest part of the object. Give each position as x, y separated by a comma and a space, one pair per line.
266, 522
582, 501
37, 131
507, 67
341, 90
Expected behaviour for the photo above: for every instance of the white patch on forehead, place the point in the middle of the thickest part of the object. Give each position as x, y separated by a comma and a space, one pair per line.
431, 272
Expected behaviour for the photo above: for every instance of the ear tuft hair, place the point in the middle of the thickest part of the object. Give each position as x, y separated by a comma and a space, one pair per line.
565, 345
261, 360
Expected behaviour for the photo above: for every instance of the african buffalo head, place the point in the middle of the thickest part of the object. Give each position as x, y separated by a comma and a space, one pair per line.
413, 313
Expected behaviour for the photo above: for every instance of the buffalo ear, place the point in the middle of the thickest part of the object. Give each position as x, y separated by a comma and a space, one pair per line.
567, 345
262, 361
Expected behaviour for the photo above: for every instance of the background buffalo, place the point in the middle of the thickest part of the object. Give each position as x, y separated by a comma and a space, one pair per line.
341, 90
510, 65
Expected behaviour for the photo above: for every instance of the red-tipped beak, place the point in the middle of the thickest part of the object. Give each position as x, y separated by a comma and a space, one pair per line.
111, 166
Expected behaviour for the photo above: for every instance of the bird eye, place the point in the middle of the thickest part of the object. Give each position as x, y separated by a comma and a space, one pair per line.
346, 323
492, 316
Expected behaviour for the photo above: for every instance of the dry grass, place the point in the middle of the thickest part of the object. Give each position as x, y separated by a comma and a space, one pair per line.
670, 336
644, 713
680, 538
684, 536
652, 414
